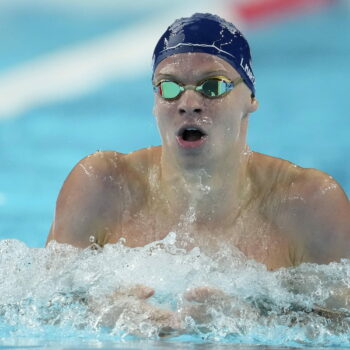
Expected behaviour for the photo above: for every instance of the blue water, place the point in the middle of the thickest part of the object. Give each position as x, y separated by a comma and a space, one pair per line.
302, 69
302, 73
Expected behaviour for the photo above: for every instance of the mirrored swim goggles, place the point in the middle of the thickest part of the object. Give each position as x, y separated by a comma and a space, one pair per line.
212, 87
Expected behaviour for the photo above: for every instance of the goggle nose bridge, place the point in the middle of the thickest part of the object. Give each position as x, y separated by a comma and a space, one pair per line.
197, 88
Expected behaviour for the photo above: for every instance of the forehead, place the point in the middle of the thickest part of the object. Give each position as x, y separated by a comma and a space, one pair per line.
194, 66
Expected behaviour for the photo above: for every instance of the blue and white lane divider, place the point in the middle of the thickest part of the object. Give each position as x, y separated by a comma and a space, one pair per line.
72, 72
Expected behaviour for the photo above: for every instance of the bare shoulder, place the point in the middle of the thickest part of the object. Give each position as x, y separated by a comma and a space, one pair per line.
143, 160
317, 186
319, 195
322, 212
94, 196
102, 169
97, 169
311, 206
271, 175
295, 181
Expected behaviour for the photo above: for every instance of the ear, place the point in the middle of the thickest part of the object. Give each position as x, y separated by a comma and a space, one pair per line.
253, 105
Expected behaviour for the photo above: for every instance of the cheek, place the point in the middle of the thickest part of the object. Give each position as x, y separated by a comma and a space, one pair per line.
164, 113
163, 109
228, 117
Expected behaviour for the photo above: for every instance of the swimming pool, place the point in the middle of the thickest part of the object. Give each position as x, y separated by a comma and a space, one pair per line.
301, 64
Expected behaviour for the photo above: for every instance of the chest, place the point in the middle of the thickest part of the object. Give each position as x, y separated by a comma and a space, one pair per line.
252, 234
261, 240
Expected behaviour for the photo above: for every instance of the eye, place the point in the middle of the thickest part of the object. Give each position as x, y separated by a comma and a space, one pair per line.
211, 87
169, 89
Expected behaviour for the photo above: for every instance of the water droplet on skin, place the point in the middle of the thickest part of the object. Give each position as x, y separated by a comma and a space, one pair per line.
328, 186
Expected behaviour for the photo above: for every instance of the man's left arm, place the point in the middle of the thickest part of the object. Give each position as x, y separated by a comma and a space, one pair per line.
319, 214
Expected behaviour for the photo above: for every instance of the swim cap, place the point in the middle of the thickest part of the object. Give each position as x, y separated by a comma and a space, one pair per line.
204, 32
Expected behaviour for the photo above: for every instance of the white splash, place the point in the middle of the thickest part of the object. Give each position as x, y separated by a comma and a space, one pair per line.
46, 291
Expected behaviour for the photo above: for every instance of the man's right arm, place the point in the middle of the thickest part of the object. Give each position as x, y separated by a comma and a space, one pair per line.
91, 202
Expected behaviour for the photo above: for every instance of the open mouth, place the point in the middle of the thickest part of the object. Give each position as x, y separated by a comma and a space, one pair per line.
191, 136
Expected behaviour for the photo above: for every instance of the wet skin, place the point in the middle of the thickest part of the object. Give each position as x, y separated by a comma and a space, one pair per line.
272, 210
219, 193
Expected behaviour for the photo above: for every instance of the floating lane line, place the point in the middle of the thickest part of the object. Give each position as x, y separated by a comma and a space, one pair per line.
75, 71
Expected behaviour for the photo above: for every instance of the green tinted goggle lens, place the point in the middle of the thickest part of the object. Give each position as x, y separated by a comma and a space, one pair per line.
212, 88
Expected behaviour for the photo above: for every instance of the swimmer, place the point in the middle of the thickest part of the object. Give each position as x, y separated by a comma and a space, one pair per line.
204, 182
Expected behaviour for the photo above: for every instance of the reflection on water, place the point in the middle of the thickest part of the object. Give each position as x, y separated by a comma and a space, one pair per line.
97, 295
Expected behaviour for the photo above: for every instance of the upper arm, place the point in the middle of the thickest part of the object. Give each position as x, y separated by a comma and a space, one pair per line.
319, 213
91, 201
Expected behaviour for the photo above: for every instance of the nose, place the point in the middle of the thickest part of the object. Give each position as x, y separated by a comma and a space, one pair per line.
190, 102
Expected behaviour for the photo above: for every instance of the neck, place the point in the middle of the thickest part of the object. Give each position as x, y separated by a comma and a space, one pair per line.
207, 195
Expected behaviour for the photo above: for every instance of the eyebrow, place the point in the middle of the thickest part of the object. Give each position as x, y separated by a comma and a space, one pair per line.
164, 76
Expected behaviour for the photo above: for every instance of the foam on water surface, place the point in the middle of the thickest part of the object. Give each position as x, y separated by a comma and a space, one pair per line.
64, 292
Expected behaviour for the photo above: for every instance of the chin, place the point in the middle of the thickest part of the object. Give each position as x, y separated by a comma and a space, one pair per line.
191, 158
194, 159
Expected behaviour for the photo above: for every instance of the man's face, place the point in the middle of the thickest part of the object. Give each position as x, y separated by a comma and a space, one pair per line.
218, 121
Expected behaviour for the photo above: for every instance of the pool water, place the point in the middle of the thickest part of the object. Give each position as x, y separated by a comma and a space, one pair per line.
62, 292
302, 68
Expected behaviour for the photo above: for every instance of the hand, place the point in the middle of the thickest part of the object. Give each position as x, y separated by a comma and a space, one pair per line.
137, 291
208, 302
128, 309
336, 306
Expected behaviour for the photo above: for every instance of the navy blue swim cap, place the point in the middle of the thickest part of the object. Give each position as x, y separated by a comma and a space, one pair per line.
204, 32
